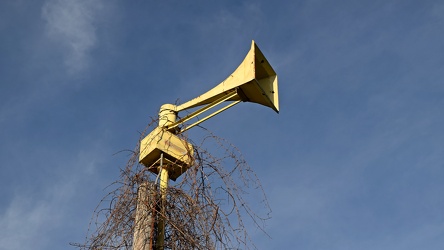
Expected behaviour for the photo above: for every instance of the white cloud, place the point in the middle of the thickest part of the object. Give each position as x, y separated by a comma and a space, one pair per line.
24, 220
72, 24
37, 216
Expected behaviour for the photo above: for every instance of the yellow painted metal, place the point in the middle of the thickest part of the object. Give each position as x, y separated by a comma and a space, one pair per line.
209, 116
167, 115
177, 151
163, 182
254, 78
216, 102
163, 196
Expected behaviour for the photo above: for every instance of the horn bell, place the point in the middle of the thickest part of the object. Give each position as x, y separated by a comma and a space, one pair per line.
254, 80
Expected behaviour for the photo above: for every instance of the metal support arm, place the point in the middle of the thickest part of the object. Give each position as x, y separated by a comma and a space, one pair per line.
226, 97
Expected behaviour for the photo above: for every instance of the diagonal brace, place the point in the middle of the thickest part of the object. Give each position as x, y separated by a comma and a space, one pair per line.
216, 102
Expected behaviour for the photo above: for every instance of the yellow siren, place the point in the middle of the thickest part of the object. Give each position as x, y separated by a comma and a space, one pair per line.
253, 81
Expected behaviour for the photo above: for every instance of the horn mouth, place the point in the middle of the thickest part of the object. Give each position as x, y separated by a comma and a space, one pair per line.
254, 76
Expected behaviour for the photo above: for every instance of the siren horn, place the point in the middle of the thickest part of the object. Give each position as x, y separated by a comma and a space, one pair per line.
254, 81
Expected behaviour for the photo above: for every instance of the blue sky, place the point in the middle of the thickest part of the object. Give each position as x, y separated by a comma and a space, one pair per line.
354, 160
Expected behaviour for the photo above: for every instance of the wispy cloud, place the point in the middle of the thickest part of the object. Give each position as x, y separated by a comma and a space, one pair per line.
72, 24
33, 214
24, 219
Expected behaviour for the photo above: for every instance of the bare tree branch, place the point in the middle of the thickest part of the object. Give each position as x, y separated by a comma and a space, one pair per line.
205, 208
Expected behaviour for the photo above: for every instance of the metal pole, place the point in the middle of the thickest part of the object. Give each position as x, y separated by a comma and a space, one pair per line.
160, 243
167, 116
